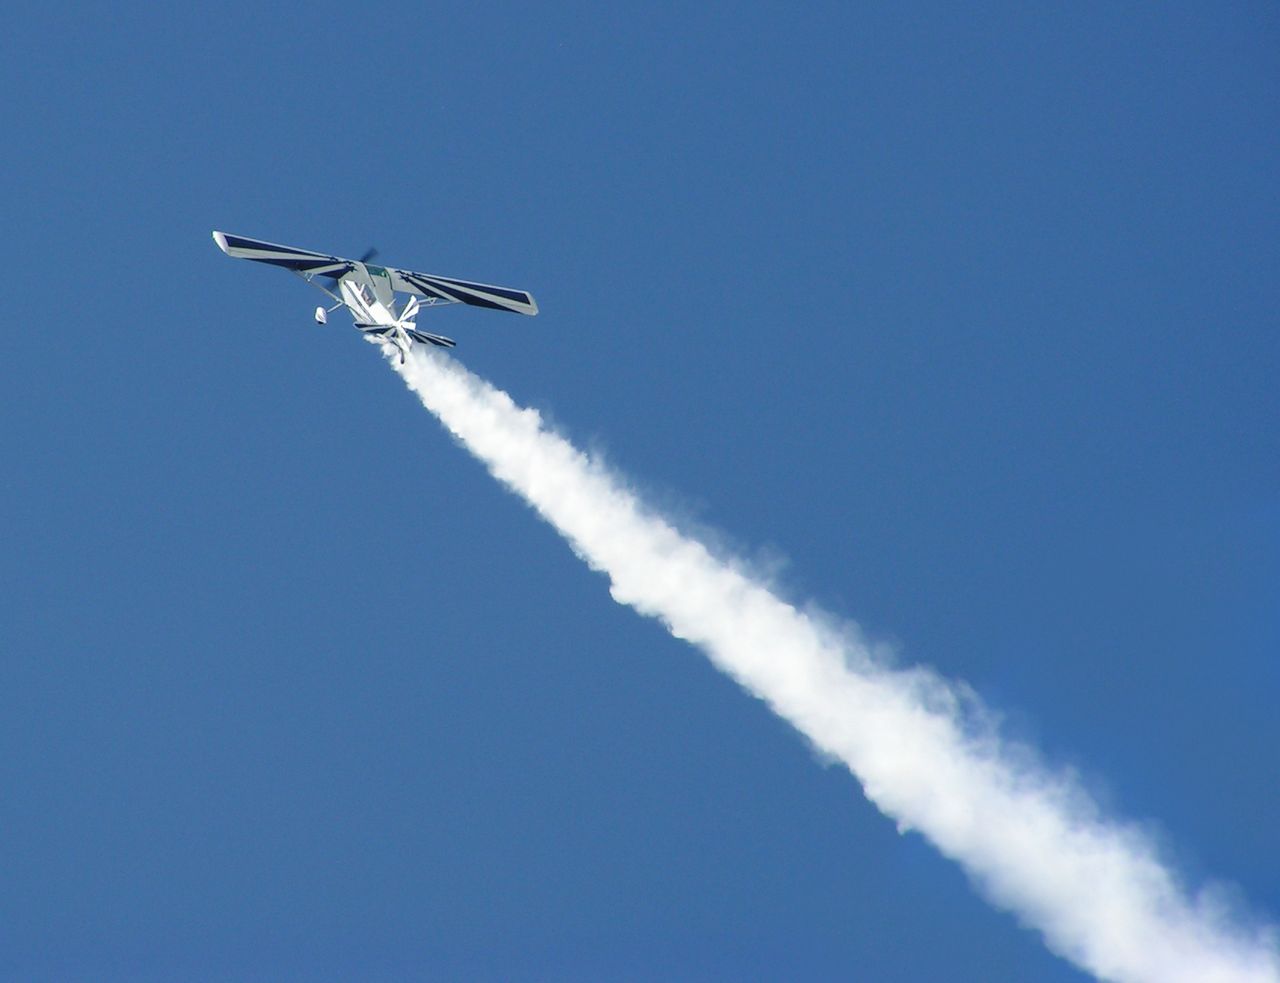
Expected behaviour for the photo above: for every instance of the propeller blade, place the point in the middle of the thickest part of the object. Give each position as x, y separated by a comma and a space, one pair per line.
369, 254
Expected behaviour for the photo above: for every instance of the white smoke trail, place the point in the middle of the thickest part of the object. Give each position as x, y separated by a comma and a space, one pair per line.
1031, 839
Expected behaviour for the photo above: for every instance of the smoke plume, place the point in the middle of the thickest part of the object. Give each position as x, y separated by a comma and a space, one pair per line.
1028, 836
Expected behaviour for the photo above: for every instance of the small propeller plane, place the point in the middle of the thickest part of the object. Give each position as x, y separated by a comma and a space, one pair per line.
369, 291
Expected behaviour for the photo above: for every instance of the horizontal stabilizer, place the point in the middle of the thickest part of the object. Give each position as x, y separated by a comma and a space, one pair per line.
432, 339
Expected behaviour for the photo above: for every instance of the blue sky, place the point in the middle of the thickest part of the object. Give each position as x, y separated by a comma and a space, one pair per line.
968, 316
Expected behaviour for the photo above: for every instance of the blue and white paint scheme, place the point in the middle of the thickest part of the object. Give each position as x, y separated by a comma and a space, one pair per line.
369, 291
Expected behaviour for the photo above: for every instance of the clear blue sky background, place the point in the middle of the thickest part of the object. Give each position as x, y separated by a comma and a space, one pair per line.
971, 316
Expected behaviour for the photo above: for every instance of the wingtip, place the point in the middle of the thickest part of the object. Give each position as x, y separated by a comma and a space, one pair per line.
221, 239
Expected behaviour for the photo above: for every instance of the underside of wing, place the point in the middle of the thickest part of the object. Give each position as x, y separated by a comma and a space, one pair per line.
447, 290
291, 258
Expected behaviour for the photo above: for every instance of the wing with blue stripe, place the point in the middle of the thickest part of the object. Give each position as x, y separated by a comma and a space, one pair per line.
289, 257
449, 290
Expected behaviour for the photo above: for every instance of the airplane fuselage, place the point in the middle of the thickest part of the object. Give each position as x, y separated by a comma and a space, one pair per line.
367, 291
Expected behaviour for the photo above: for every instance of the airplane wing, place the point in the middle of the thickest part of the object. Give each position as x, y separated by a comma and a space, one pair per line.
437, 289
300, 260
447, 290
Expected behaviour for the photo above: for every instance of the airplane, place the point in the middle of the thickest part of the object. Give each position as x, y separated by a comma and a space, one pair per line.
368, 291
